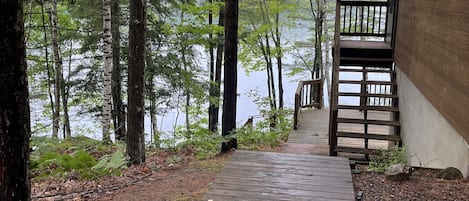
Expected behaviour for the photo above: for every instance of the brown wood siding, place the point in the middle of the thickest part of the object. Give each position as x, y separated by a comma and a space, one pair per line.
432, 49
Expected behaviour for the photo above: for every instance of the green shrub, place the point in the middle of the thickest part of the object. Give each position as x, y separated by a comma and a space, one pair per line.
386, 158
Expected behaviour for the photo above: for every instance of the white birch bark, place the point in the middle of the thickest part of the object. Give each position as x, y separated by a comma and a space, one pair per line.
107, 66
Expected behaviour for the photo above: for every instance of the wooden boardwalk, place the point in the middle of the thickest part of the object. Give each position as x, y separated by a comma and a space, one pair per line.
314, 130
282, 176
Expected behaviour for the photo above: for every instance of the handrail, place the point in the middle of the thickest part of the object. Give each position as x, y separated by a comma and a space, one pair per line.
309, 94
363, 18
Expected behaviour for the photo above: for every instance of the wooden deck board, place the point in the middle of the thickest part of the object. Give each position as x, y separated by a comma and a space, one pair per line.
314, 128
357, 44
282, 176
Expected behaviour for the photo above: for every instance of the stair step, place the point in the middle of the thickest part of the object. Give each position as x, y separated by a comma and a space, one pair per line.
359, 70
366, 82
369, 136
355, 150
366, 59
369, 121
368, 95
373, 108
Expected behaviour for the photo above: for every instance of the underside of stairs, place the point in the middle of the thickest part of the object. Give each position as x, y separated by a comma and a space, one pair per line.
365, 82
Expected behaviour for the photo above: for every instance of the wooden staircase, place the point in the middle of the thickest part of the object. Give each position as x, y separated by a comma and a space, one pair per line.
374, 92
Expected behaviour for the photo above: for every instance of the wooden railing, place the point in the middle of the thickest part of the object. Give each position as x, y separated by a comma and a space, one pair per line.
379, 89
309, 94
363, 18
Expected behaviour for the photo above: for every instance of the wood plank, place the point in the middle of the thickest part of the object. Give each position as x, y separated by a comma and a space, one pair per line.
302, 171
369, 136
301, 186
357, 44
264, 196
279, 176
292, 192
374, 108
299, 167
287, 181
304, 156
368, 95
369, 121
366, 82
291, 157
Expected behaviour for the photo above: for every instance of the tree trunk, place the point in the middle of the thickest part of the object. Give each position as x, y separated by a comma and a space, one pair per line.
215, 104
328, 65
152, 96
135, 90
279, 55
118, 106
212, 97
49, 73
14, 105
65, 95
318, 25
107, 66
230, 74
58, 66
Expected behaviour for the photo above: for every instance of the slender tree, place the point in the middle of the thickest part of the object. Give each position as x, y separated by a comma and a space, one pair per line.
278, 52
107, 61
214, 107
135, 89
118, 111
230, 73
14, 105
58, 66
318, 12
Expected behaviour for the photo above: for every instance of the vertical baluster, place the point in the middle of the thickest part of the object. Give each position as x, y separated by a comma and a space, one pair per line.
367, 19
362, 18
374, 19
356, 19
350, 19
379, 23
344, 22
375, 91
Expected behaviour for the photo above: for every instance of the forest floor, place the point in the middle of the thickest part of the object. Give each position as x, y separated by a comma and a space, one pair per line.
422, 185
165, 176
170, 176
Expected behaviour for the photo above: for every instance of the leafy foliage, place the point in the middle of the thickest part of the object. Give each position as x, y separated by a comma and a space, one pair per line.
75, 157
262, 134
386, 158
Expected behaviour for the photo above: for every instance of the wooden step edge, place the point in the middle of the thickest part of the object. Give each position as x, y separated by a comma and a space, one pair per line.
371, 136
365, 70
355, 150
368, 95
369, 121
368, 108
366, 82
366, 59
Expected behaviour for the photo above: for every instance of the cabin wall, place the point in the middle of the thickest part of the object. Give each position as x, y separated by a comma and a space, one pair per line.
430, 140
432, 54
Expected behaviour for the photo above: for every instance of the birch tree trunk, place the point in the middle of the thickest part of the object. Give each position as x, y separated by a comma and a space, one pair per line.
15, 127
58, 66
107, 65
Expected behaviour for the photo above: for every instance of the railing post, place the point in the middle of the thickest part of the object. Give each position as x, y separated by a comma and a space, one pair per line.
335, 85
